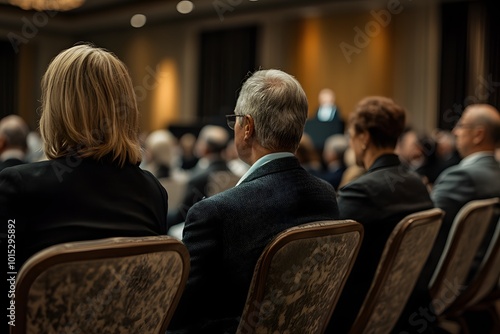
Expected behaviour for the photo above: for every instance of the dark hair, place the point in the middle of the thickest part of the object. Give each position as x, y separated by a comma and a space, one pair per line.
381, 117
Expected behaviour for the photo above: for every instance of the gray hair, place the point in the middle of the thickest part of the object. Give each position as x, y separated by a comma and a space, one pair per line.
278, 105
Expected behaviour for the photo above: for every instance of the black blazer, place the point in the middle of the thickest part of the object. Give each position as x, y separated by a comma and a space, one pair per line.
378, 200
226, 233
71, 199
10, 163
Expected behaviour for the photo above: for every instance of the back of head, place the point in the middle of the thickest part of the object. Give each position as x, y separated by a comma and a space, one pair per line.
335, 147
212, 139
278, 105
89, 107
13, 133
488, 116
382, 118
160, 146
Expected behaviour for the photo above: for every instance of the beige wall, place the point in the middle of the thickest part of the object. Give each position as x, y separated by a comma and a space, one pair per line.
399, 59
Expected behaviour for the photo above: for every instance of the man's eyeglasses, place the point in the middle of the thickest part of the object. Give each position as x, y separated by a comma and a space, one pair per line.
463, 125
231, 120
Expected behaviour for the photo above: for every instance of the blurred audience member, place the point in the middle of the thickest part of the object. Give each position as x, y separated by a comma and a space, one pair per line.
13, 141
333, 158
378, 199
208, 148
308, 157
161, 153
327, 120
237, 166
227, 232
188, 157
92, 186
408, 149
352, 171
35, 147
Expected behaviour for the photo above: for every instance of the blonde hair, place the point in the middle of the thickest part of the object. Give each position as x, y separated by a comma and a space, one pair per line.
89, 107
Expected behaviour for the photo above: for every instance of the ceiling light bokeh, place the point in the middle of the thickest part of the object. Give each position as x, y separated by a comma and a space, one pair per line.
138, 20
185, 7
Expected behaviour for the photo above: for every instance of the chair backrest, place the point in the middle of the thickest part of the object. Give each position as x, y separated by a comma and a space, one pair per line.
402, 260
115, 285
486, 278
299, 276
466, 235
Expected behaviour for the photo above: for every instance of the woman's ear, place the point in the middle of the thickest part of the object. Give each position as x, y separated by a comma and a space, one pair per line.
365, 138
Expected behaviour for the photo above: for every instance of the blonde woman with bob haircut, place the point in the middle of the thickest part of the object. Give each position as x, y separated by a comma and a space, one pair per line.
91, 187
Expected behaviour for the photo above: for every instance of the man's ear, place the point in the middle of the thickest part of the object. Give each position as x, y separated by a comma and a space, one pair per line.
479, 135
248, 127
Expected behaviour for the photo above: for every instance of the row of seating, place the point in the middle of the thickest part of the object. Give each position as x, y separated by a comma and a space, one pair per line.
133, 285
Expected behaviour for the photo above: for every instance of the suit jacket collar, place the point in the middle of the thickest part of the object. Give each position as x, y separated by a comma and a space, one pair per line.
274, 166
384, 161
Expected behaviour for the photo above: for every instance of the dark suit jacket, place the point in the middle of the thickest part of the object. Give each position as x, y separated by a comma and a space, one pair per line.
10, 163
71, 199
226, 233
378, 200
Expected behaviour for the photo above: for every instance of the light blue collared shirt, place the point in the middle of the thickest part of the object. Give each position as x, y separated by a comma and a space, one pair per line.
471, 159
264, 160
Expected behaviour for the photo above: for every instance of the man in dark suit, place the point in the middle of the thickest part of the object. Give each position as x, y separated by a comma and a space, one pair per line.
13, 141
477, 176
326, 122
227, 232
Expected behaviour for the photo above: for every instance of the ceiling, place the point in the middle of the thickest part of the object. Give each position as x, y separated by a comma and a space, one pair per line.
106, 15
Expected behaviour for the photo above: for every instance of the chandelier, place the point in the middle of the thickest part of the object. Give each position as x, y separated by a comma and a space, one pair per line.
41, 5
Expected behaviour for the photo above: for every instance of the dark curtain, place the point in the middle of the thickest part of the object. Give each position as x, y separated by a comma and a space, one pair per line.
226, 59
493, 53
453, 63
8, 79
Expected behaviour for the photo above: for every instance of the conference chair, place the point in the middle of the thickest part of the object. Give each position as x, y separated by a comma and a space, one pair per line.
402, 260
468, 230
479, 294
114, 285
299, 276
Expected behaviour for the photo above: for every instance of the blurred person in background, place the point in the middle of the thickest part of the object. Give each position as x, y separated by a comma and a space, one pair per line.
209, 147
14, 132
327, 120
333, 159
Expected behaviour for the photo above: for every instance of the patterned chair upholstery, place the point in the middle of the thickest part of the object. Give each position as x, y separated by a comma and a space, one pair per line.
115, 285
485, 280
466, 235
402, 260
299, 276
